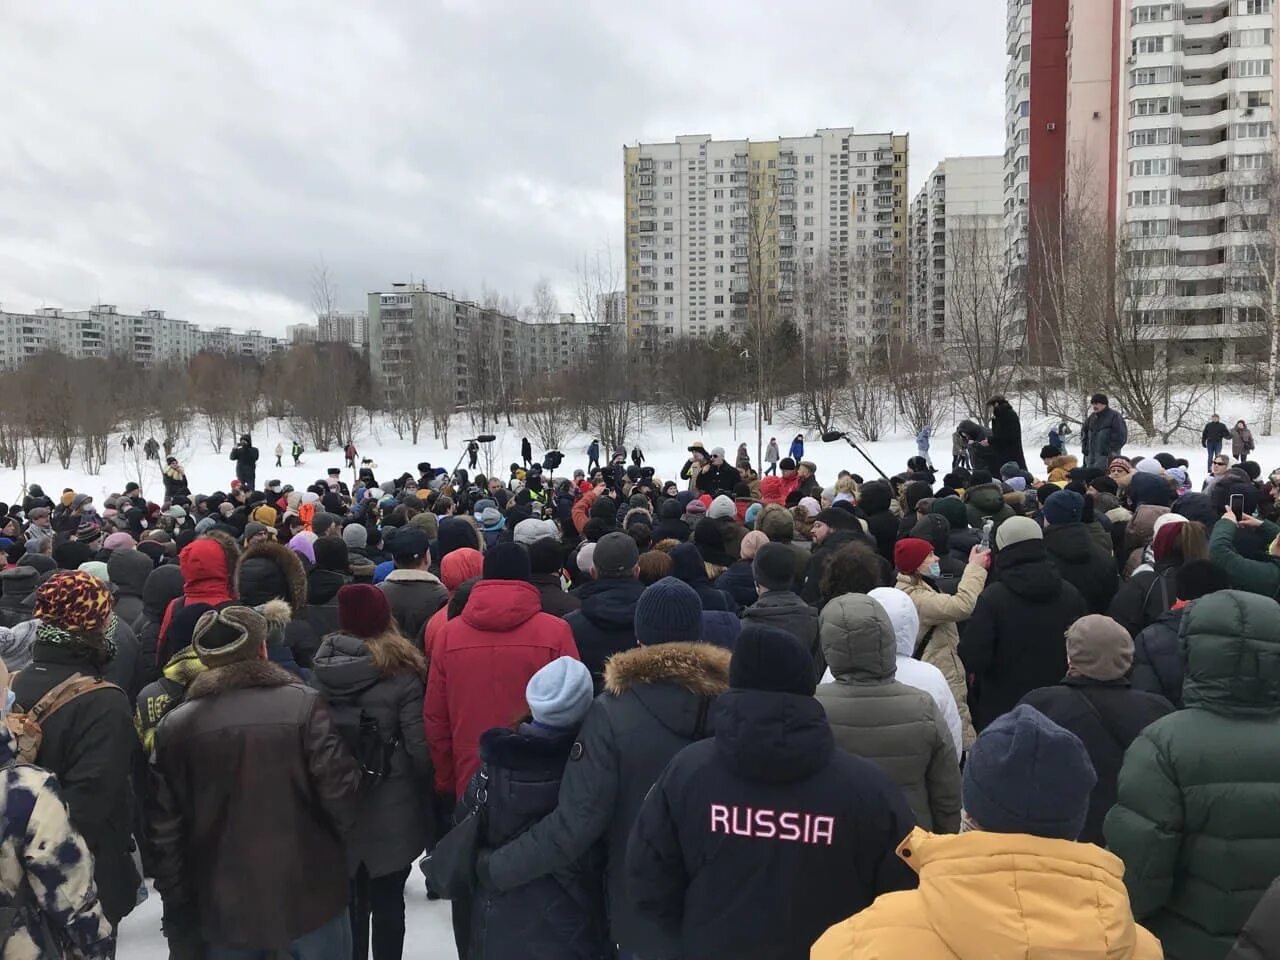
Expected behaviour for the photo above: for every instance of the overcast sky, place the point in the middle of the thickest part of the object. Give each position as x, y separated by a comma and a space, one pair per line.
205, 158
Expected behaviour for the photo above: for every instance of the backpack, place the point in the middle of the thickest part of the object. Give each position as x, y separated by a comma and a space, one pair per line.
363, 736
27, 726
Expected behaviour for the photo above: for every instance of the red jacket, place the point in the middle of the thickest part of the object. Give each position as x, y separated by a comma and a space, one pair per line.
777, 489
206, 577
480, 666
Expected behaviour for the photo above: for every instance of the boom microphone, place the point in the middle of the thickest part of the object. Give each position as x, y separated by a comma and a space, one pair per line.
482, 438
832, 435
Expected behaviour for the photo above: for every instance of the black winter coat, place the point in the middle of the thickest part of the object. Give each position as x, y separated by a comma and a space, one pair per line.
1260, 938
129, 570
554, 600
716, 480
321, 611
1082, 563
163, 586
1015, 641
1141, 600
246, 458
392, 827
90, 745
1158, 663
657, 701
739, 582
881, 523
605, 623
1006, 437
1107, 717
126, 669
753, 843
558, 917
786, 611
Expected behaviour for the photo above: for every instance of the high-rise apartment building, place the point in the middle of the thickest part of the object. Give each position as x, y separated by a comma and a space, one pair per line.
343, 326
957, 223
712, 225
465, 342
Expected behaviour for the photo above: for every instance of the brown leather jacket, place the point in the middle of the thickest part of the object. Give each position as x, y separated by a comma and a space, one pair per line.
252, 790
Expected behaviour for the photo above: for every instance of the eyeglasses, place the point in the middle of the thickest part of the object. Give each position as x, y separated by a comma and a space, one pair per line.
1220, 463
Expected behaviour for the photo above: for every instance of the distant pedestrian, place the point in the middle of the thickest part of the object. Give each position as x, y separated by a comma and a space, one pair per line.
1104, 434
922, 443
279, 454
637, 456
1241, 441
296, 452
1212, 437
593, 455
526, 452
771, 457
351, 454
796, 452
473, 454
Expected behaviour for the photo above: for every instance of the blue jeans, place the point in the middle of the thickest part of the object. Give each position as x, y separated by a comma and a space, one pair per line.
1215, 448
330, 942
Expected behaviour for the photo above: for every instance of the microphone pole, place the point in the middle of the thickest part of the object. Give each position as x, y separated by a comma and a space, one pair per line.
832, 435
482, 438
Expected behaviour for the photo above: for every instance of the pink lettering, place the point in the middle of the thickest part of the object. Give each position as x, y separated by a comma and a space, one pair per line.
743, 830
719, 818
765, 828
790, 827
824, 829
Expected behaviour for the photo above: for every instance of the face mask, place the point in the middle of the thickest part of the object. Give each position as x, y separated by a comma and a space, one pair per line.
935, 569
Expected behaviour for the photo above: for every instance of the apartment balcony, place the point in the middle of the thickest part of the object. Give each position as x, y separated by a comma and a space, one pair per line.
1202, 46
1204, 15
1206, 127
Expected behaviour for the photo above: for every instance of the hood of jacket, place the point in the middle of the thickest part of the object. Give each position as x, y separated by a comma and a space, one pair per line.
687, 565
772, 737
986, 498
778, 607
1143, 525
129, 570
611, 603
1231, 641
1015, 895
857, 639
1025, 570
699, 668
498, 606
268, 570
343, 666
323, 585
207, 565
1071, 542
875, 497
163, 586
934, 528
902, 614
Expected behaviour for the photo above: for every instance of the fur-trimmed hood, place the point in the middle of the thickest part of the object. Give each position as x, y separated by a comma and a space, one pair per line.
700, 668
1063, 464
270, 570
240, 675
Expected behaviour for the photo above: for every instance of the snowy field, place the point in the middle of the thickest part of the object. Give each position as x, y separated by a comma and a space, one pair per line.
663, 442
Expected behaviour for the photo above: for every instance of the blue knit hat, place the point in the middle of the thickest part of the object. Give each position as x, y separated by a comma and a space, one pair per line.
1065, 506
560, 693
768, 658
668, 611
1026, 774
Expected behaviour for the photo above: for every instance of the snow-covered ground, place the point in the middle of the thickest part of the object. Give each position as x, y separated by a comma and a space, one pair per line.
428, 931
663, 442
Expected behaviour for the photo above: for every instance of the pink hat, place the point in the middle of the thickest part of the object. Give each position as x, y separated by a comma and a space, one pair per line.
119, 541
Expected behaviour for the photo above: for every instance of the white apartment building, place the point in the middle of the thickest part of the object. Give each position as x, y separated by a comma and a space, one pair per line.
1195, 153
698, 210
102, 330
957, 222
1017, 129
343, 326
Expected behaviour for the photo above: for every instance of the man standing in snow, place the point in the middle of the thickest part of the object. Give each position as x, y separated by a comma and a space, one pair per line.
245, 456
1211, 438
1104, 434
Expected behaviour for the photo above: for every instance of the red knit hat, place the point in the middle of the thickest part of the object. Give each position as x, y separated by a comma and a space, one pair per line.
910, 552
363, 610
1166, 539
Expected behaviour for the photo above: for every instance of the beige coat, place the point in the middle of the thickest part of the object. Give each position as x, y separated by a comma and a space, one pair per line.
941, 612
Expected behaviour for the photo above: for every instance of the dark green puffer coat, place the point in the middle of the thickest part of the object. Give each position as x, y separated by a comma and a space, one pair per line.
1196, 822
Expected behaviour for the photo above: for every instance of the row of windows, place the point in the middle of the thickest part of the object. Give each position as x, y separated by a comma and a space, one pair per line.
1258, 37
1159, 12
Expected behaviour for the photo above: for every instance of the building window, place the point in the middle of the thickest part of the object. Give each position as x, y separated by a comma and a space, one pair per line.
1158, 136
1252, 38
1150, 168
1148, 198
1150, 107
1249, 161
1253, 68
1258, 98
1248, 8
1148, 45
1149, 75
1253, 131
1149, 228
1153, 13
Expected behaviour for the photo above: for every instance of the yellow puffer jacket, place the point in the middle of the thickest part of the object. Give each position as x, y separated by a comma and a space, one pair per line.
997, 896
939, 613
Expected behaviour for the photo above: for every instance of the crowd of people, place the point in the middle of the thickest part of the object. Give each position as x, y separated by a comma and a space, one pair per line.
1019, 709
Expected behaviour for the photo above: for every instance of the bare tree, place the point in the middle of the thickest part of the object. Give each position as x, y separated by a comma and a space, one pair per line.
822, 388
865, 402
919, 383
545, 307
597, 277
984, 305
691, 376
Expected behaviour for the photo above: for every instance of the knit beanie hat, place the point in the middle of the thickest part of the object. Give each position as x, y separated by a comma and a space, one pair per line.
616, 555
773, 660
73, 600
1065, 506
1166, 538
753, 511
228, 635
604, 508
265, 515
1026, 774
18, 581
910, 552
774, 566
355, 536
119, 541
837, 519
363, 610
426, 521
1016, 530
331, 554
560, 693
532, 530
586, 557
96, 568
1149, 465
722, 508
1009, 469
668, 611
1099, 648
751, 544
954, 510
546, 555
811, 507
507, 561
